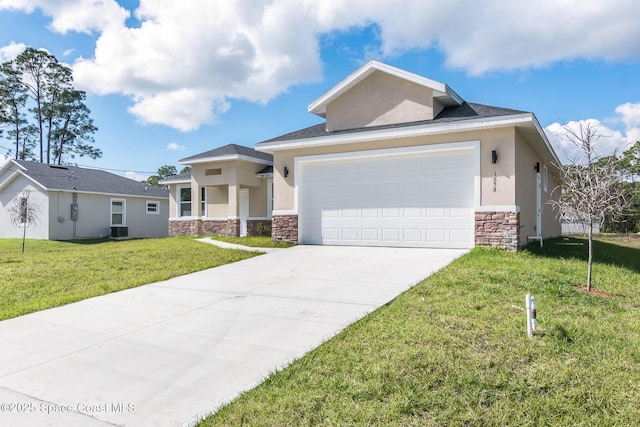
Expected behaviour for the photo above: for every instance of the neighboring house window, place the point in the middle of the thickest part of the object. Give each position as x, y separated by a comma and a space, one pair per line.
184, 201
118, 209
24, 217
545, 179
153, 207
203, 202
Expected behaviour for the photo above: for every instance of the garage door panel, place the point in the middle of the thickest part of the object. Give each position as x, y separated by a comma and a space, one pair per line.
423, 200
436, 162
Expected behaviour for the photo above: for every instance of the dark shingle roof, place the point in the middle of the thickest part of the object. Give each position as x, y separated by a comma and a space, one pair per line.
465, 111
266, 170
230, 150
71, 178
185, 176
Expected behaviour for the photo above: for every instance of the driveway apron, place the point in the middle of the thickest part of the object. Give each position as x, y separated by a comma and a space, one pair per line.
169, 353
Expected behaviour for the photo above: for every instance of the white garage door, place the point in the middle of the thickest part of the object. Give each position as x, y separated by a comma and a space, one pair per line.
408, 200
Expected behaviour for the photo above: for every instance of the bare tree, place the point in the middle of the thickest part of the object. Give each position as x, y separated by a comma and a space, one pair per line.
24, 212
590, 186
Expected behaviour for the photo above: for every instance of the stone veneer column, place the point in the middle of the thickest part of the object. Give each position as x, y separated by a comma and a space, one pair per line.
498, 230
284, 228
185, 227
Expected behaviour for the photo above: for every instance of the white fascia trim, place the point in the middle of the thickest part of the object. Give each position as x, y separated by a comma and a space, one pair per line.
385, 152
264, 175
545, 139
284, 212
226, 158
146, 196
502, 208
15, 175
170, 182
402, 132
319, 106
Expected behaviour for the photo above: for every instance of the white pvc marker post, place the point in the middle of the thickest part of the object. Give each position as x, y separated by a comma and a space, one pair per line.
529, 317
534, 314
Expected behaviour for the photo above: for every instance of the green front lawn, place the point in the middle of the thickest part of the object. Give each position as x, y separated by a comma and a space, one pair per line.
453, 350
52, 273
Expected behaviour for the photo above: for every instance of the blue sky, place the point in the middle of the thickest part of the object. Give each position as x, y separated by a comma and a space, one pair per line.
166, 79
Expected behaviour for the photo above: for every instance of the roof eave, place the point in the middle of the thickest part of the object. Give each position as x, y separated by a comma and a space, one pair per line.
190, 161
400, 132
142, 196
15, 175
174, 181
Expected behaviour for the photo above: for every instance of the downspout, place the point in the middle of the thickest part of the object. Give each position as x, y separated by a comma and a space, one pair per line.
74, 218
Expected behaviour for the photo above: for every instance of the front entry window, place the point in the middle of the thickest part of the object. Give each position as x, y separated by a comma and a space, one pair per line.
184, 201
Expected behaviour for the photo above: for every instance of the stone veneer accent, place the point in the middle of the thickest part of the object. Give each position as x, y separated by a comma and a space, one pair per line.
498, 230
198, 227
284, 228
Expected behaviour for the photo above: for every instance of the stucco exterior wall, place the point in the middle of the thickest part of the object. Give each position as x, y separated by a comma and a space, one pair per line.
258, 200
526, 188
38, 198
396, 101
218, 201
551, 225
502, 140
94, 216
526, 193
223, 189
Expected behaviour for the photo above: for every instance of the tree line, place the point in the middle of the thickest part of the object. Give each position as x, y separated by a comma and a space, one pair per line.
41, 112
627, 221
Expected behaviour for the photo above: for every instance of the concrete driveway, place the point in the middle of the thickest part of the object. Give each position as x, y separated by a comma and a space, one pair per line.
168, 353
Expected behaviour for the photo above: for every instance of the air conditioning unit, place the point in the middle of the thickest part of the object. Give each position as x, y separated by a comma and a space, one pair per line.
119, 231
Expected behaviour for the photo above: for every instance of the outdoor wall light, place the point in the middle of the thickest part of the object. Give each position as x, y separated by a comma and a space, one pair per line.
537, 167
494, 156
286, 171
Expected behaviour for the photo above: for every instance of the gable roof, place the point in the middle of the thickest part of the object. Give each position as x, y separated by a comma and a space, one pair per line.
230, 152
82, 180
443, 93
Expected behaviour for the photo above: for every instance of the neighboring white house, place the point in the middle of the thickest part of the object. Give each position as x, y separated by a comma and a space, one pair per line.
79, 203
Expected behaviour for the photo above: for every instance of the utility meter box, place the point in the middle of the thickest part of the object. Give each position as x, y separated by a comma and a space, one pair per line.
74, 211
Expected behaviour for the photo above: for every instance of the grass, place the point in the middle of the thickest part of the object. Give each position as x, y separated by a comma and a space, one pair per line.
454, 351
55, 273
252, 241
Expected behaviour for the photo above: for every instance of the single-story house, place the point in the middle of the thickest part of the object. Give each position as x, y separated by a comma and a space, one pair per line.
400, 160
78, 203
233, 188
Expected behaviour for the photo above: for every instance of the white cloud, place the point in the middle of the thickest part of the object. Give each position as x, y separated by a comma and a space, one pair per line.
630, 116
83, 16
187, 60
610, 140
136, 176
10, 52
175, 147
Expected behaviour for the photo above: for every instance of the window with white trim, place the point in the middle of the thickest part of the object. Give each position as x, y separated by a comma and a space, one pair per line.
118, 212
24, 211
153, 207
545, 179
184, 201
203, 202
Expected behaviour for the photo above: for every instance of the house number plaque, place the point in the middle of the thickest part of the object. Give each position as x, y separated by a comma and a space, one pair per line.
495, 181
